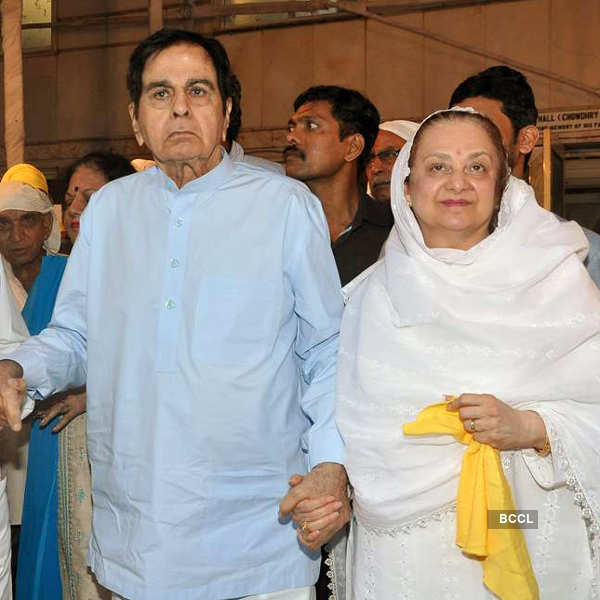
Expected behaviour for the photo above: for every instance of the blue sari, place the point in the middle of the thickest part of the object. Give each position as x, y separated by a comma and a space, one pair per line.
38, 571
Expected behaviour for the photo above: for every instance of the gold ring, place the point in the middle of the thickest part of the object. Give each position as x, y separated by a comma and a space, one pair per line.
472, 425
304, 529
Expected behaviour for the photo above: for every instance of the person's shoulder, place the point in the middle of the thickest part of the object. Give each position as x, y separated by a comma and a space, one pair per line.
356, 287
111, 195
57, 259
377, 213
593, 238
117, 187
271, 182
263, 163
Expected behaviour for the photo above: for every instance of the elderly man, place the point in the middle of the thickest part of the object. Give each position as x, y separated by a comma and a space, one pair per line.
504, 96
330, 136
202, 302
29, 240
390, 139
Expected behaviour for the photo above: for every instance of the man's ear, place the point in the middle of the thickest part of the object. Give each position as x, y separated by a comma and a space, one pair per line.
527, 139
228, 105
135, 125
355, 146
48, 221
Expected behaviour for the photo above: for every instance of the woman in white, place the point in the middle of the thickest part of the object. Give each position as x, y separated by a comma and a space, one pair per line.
12, 331
481, 295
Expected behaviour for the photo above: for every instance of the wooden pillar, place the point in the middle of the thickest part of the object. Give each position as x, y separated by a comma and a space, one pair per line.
547, 169
14, 122
155, 14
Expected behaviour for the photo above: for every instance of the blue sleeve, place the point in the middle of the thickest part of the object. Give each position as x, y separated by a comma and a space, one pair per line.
318, 307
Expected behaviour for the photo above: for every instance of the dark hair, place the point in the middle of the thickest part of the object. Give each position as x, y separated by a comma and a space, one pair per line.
164, 38
353, 112
506, 85
449, 116
109, 164
235, 116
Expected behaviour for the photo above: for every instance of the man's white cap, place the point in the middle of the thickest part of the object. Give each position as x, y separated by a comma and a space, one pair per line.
403, 129
15, 195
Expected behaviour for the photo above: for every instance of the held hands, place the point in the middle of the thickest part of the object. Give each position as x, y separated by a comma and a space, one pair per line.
71, 406
318, 503
12, 394
494, 422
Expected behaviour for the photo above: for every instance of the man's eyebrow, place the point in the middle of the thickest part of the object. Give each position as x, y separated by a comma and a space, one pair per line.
207, 82
445, 155
154, 84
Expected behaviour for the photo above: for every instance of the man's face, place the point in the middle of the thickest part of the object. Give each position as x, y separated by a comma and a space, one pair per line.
492, 109
180, 114
314, 149
380, 165
22, 235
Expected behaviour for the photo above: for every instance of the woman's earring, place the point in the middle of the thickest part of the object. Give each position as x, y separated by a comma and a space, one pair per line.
409, 203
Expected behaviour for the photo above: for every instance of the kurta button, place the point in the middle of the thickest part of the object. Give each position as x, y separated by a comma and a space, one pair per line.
178, 222
174, 263
170, 304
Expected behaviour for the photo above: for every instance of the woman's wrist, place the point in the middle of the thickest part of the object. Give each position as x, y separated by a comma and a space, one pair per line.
534, 431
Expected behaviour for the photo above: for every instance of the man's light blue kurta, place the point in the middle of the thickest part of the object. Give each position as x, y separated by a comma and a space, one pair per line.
207, 321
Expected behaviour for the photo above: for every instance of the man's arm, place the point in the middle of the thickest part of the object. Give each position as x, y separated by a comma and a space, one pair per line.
318, 306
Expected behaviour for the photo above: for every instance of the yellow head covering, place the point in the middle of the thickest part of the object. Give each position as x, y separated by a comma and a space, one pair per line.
26, 173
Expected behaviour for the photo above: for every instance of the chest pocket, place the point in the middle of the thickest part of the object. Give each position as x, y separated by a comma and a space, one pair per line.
236, 321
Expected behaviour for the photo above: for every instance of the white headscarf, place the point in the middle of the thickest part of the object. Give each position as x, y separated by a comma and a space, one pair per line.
404, 129
15, 195
516, 316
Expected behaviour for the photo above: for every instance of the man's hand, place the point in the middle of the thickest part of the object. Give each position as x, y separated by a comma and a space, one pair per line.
318, 502
12, 394
73, 405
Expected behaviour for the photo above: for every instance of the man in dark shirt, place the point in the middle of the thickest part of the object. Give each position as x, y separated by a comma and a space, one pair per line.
330, 137
505, 97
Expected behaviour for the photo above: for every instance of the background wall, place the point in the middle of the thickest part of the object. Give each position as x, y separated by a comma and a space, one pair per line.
76, 101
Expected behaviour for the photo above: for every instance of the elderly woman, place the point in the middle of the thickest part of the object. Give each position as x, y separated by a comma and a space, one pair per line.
481, 297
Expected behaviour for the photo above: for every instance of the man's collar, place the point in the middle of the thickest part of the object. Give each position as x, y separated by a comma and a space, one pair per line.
205, 183
371, 211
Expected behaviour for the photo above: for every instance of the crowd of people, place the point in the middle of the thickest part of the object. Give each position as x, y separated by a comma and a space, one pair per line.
215, 417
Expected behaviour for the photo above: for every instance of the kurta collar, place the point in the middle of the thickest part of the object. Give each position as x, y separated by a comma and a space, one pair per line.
207, 183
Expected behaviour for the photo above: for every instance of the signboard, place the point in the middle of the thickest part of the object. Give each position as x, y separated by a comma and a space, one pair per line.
570, 121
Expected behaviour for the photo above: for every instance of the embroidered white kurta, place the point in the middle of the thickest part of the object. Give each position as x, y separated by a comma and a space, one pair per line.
516, 316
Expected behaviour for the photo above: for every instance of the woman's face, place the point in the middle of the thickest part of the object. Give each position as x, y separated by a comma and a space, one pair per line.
84, 181
452, 184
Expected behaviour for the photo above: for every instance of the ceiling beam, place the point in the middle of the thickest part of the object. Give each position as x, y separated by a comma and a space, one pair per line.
356, 9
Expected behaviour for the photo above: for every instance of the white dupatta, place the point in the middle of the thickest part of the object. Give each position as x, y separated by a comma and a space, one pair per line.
516, 316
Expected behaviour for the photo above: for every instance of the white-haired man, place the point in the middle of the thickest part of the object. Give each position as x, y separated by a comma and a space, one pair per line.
390, 139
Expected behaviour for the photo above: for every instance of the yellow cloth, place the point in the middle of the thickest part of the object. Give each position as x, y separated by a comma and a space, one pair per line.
507, 568
26, 173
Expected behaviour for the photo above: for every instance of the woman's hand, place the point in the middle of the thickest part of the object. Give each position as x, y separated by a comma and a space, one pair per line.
71, 406
318, 518
494, 422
